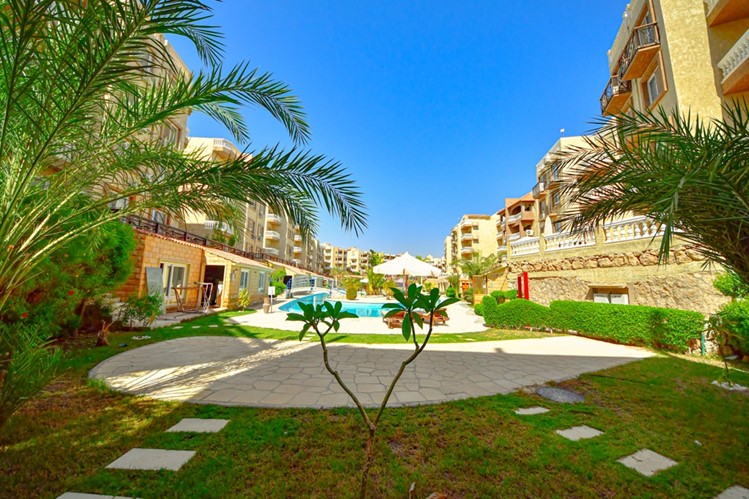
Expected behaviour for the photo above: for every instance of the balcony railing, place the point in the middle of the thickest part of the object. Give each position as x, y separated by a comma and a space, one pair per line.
615, 95
467, 251
735, 67
297, 249
527, 246
539, 189
514, 236
149, 226
272, 235
631, 229
640, 50
273, 219
225, 145
569, 240
467, 237
298, 238
222, 226
724, 11
514, 218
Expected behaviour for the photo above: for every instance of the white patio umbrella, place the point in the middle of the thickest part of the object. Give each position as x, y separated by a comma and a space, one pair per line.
407, 265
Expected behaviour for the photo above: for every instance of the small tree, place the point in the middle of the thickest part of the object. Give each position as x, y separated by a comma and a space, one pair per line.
326, 317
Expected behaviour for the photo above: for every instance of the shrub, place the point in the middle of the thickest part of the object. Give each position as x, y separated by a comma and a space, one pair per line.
450, 292
503, 296
387, 287
628, 324
731, 284
142, 310
468, 295
736, 317
351, 292
517, 314
479, 308
489, 306
280, 287
243, 300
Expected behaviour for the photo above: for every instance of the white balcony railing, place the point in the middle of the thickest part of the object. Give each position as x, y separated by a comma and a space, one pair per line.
466, 251
222, 226
526, 246
297, 249
272, 235
514, 217
272, 218
514, 236
631, 229
467, 237
225, 145
569, 240
297, 238
271, 251
736, 56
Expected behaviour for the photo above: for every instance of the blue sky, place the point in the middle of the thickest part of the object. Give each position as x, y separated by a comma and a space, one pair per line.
437, 108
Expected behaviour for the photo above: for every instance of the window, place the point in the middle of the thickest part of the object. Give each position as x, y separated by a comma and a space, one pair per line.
556, 198
557, 227
175, 275
158, 216
244, 279
654, 86
261, 283
619, 297
251, 228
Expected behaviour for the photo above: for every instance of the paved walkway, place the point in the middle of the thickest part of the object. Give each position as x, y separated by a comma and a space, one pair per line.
260, 373
462, 320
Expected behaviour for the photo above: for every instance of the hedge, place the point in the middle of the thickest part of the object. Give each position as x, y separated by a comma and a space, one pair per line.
629, 324
736, 314
515, 314
665, 328
479, 308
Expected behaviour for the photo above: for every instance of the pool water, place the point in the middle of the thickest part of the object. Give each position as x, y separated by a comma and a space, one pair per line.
361, 309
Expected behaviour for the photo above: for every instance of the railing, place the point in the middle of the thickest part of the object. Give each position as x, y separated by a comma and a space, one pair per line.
568, 240
631, 229
152, 227
736, 56
527, 246
642, 36
513, 218
297, 249
616, 86
225, 144
273, 218
272, 235
297, 238
466, 251
538, 189
467, 237
271, 251
514, 236
222, 226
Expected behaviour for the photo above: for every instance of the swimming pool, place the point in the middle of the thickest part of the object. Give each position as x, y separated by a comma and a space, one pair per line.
361, 309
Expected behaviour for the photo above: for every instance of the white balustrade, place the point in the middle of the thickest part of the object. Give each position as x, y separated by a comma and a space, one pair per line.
736, 56
569, 240
222, 226
514, 236
514, 217
272, 235
526, 246
631, 229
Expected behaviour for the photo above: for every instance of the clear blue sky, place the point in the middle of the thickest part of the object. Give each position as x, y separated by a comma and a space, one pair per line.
437, 108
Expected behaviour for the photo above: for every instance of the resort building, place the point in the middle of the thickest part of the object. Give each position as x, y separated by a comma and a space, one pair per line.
517, 222
687, 54
473, 235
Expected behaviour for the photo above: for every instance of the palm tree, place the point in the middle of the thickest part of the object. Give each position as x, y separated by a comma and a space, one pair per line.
82, 87
478, 265
689, 175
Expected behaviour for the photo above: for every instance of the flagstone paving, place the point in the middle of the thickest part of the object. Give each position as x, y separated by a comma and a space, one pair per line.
152, 459
647, 462
197, 425
735, 492
78, 495
262, 373
579, 433
531, 411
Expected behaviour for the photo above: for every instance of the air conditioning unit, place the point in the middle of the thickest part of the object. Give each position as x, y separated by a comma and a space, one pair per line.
528, 233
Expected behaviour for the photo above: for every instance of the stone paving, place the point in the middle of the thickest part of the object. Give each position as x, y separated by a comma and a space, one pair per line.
647, 462
262, 373
152, 459
579, 433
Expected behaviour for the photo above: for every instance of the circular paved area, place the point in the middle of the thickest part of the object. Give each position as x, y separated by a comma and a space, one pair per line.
260, 373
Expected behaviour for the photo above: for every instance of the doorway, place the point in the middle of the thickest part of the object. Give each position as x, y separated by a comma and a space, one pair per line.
215, 275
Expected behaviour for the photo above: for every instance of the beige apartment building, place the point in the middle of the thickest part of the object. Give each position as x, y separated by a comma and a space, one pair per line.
690, 54
473, 235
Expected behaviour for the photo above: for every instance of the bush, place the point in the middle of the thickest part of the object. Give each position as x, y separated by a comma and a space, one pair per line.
142, 310
450, 292
516, 314
243, 300
479, 308
351, 292
628, 324
736, 316
468, 295
280, 287
731, 284
503, 296
387, 288
489, 309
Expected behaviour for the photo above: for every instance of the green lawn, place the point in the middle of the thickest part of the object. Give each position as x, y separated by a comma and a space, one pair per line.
474, 448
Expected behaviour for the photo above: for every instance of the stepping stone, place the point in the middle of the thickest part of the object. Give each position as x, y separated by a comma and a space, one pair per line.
579, 433
177, 327
152, 459
199, 425
213, 325
530, 411
196, 327
735, 492
78, 495
647, 462
560, 395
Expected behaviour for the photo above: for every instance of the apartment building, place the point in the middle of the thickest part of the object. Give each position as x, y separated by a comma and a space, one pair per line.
687, 54
517, 220
473, 235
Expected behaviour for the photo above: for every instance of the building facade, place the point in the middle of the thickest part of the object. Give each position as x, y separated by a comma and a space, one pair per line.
473, 235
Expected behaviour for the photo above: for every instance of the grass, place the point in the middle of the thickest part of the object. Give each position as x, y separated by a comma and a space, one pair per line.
62, 440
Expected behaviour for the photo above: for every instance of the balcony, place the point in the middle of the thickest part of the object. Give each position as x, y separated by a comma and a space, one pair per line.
527, 216
725, 11
735, 67
640, 50
569, 240
466, 237
225, 146
272, 235
467, 251
514, 218
297, 238
273, 219
467, 226
271, 251
615, 96
220, 226
525, 247
539, 190
631, 229
501, 223
514, 236
297, 249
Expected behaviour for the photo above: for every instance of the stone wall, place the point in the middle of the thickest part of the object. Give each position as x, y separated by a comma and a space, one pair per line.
683, 283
